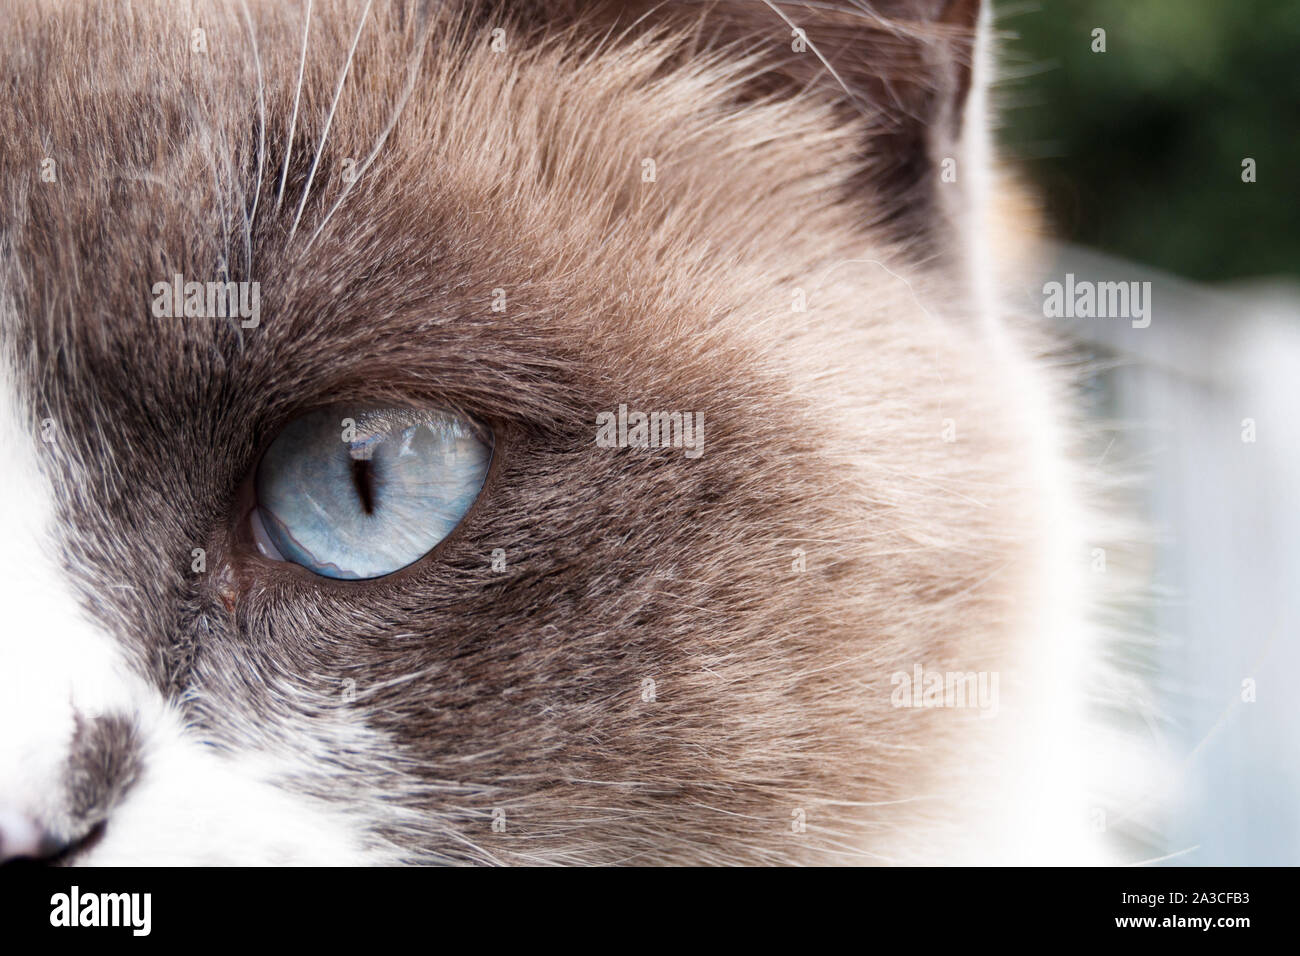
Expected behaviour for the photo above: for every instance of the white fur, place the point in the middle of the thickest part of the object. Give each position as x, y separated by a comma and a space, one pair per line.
191, 803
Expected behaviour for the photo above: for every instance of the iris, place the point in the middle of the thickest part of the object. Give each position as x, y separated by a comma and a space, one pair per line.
355, 493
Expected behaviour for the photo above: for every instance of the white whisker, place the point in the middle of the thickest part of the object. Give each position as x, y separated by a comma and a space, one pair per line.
329, 120
251, 216
413, 71
293, 120
853, 97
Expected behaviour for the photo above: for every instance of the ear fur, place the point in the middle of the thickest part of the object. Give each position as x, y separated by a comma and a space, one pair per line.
902, 69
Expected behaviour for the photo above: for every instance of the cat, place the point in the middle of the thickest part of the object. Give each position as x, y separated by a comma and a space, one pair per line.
783, 218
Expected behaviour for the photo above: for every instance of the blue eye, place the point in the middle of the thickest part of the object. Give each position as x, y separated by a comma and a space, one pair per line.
362, 492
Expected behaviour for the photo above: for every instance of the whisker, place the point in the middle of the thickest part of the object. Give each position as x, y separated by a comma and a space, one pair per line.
329, 120
251, 216
413, 71
293, 121
853, 97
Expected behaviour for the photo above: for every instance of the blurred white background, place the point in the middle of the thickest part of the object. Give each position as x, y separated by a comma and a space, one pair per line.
1225, 531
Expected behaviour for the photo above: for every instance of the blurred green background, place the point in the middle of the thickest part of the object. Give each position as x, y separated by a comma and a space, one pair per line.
1137, 151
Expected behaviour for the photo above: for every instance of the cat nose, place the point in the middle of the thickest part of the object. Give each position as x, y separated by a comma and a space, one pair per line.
21, 836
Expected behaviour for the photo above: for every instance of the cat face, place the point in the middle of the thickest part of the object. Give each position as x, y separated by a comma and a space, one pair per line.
543, 222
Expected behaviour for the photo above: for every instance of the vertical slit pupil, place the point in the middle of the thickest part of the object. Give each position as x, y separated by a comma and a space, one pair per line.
364, 481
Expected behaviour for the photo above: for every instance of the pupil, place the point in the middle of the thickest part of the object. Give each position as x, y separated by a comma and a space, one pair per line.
363, 480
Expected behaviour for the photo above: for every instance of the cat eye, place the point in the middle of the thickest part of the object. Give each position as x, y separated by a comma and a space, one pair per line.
360, 492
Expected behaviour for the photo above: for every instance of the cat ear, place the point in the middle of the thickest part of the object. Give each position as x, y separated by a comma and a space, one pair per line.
902, 69
908, 70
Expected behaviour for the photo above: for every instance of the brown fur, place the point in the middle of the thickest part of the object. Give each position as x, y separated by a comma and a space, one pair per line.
521, 171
